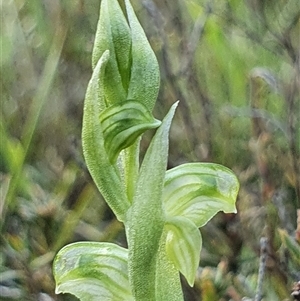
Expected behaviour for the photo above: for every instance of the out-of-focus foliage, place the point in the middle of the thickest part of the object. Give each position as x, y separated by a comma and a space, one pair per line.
234, 66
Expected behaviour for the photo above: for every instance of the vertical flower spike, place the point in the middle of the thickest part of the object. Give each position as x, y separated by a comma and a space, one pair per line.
130, 70
131, 76
161, 210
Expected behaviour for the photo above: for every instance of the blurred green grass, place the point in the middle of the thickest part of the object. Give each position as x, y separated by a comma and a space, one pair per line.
234, 66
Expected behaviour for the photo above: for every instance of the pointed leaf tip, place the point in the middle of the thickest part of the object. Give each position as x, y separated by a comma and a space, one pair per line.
145, 76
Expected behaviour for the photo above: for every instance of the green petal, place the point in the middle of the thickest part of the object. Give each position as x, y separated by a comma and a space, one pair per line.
93, 271
113, 34
145, 78
123, 123
104, 174
183, 246
198, 191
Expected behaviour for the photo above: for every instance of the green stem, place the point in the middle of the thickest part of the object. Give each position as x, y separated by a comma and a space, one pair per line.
131, 169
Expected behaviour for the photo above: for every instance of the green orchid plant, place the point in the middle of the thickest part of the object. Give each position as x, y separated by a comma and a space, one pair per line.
161, 209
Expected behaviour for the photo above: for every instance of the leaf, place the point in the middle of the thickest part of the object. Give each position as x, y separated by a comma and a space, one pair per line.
144, 221
123, 123
183, 246
198, 191
104, 174
113, 34
93, 271
145, 78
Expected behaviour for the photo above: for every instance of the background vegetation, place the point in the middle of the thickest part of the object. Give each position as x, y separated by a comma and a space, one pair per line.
234, 66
